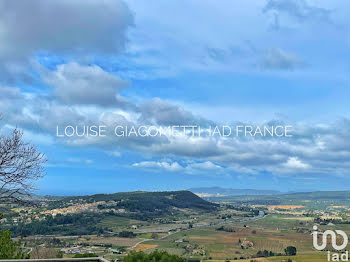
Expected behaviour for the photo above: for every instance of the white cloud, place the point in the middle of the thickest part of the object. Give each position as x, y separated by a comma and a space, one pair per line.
275, 58
76, 28
74, 160
315, 149
206, 167
161, 112
9, 93
116, 153
164, 113
161, 166
298, 9
295, 163
76, 84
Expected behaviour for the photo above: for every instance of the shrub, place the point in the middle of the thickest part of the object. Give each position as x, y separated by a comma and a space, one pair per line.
290, 251
85, 255
156, 256
10, 249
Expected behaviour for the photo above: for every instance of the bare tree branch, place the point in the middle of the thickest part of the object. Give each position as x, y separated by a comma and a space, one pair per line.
20, 165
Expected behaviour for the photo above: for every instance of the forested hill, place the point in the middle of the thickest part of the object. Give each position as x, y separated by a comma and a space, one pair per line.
150, 201
86, 213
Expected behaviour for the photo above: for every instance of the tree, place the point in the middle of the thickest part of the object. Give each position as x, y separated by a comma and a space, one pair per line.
85, 255
10, 249
20, 165
156, 256
154, 235
129, 234
290, 251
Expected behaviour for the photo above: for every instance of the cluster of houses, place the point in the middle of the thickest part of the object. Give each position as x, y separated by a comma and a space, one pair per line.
90, 250
75, 208
192, 249
22, 218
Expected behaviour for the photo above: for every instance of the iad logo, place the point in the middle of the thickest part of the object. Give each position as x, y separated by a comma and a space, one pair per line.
333, 235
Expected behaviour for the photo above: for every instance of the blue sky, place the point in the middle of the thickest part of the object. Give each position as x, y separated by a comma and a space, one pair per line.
190, 62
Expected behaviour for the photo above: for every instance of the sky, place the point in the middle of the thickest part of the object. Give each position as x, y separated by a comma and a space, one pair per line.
114, 62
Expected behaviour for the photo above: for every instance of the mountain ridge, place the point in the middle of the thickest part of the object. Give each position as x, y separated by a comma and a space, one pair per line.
220, 192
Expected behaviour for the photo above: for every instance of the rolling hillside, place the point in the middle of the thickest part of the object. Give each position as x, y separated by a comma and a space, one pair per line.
149, 202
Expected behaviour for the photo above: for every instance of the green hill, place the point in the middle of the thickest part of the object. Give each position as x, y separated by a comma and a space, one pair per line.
145, 206
150, 203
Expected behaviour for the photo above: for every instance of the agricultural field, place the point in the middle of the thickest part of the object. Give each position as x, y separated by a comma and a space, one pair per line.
248, 228
273, 233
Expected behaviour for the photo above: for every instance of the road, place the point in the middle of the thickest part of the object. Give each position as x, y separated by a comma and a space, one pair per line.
138, 243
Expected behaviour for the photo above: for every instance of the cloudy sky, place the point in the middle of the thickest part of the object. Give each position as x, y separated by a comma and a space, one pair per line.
198, 62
